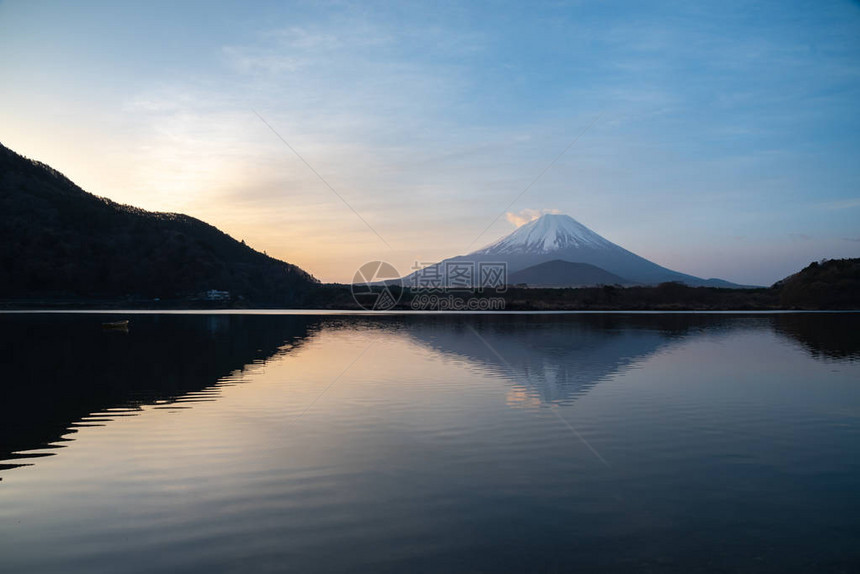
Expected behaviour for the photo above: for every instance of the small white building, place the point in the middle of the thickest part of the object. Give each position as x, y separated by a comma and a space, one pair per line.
216, 295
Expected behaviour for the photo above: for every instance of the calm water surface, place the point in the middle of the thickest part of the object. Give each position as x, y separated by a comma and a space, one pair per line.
493, 443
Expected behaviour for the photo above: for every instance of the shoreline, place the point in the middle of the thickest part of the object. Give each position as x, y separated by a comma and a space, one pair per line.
310, 312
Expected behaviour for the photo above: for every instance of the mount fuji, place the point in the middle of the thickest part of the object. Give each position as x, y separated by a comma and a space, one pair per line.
560, 238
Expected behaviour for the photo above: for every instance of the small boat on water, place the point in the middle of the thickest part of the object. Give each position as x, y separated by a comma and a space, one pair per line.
116, 325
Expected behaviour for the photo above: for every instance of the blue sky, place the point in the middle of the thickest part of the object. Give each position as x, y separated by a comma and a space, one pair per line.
718, 139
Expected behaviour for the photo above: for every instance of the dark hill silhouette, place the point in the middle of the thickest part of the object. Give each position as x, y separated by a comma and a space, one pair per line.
58, 242
829, 284
558, 273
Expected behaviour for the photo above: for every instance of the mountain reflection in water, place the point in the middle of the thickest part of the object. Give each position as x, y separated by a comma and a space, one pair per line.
62, 371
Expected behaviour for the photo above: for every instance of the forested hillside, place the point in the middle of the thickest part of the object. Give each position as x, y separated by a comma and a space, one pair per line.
58, 241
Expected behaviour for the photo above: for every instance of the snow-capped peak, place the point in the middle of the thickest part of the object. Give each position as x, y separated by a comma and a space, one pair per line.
550, 232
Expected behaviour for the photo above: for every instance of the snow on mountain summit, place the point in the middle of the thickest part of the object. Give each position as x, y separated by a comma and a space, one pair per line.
559, 238
550, 232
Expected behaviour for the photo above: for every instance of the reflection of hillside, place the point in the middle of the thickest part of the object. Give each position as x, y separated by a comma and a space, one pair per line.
824, 335
554, 358
58, 369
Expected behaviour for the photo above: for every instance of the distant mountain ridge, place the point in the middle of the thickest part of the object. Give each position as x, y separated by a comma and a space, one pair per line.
558, 273
560, 237
58, 241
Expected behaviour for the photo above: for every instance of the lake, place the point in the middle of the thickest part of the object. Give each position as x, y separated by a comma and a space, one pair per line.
271, 442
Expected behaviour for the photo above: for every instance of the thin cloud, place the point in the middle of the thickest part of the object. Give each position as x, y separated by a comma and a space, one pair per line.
842, 204
248, 60
524, 216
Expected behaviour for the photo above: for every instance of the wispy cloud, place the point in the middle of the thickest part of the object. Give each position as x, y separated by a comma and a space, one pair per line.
841, 204
248, 60
524, 216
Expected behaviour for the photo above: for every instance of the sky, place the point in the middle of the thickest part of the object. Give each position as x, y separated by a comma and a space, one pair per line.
717, 139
